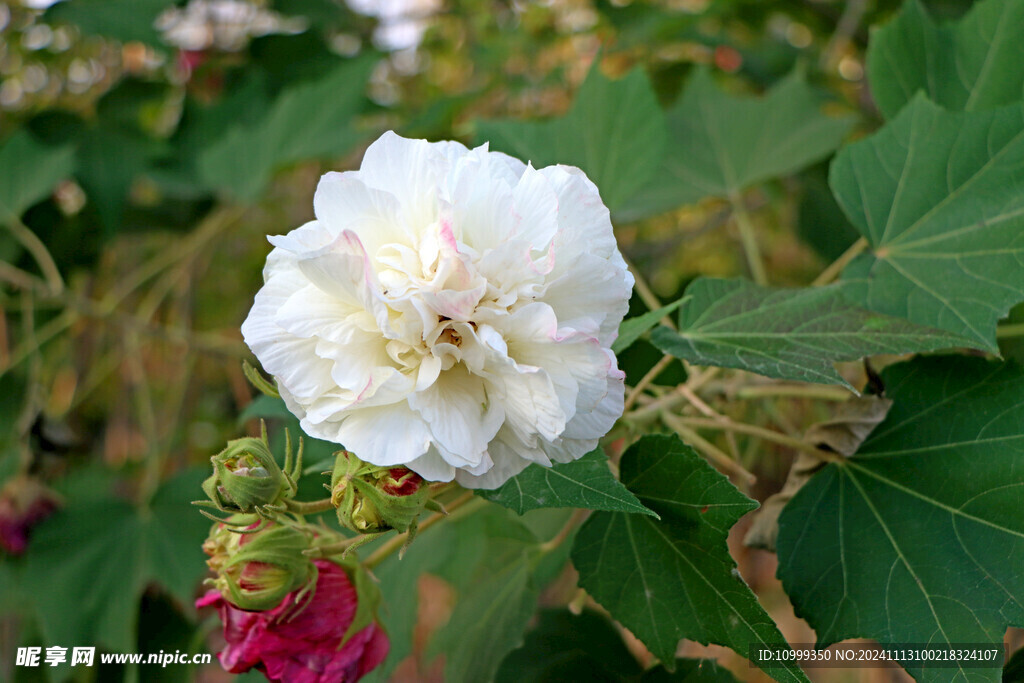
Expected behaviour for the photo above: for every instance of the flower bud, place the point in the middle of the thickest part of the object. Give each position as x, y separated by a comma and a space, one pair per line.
372, 499
245, 477
255, 571
24, 502
333, 637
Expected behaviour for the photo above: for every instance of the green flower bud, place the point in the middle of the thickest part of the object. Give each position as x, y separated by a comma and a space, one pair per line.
372, 499
255, 571
245, 477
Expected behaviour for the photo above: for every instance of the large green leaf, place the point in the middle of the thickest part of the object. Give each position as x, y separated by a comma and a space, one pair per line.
975, 63
122, 20
565, 646
786, 333
584, 483
88, 564
671, 579
488, 621
28, 173
919, 537
615, 132
477, 555
722, 144
308, 121
939, 196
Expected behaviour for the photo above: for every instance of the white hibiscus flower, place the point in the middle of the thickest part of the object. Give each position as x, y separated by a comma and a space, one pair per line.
450, 310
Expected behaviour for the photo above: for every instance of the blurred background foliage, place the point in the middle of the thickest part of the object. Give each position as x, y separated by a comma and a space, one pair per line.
148, 146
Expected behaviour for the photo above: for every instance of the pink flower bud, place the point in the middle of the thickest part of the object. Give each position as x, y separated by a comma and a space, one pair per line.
24, 502
300, 644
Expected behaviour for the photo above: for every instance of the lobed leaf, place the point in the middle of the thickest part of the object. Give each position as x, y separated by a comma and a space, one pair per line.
306, 121
918, 538
723, 144
786, 333
673, 578
939, 196
615, 132
585, 483
971, 64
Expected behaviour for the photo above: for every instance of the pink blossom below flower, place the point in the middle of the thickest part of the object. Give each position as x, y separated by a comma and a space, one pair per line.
23, 504
301, 647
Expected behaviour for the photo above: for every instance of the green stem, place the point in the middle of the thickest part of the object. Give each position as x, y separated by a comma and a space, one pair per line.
309, 508
761, 433
837, 266
40, 253
1008, 331
395, 543
748, 237
574, 521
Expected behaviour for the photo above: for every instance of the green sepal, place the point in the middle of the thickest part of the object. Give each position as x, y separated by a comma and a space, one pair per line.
281, 567
359, 491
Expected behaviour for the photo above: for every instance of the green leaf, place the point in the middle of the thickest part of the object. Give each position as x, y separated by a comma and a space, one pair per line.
88, 565
939, 196
123, 20
28, 173
786, 333
585, 483
972, 64
566, 647
672, 579
919, 538
614, 131
307, 121
691, 671
724, 144
488, 621
466, 553
632, 329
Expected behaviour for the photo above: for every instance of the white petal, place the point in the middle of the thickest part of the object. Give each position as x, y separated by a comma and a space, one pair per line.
461, 415
384, 436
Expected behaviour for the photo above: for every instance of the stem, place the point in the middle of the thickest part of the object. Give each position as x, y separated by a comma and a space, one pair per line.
836, 267
396, 542
715, 454
1008, 331
646, 294
310, 508
646, 380
48, 267
574, 521
794, 391
761, 433
748, 237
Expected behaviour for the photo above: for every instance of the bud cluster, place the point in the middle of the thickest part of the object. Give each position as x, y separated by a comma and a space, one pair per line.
371, 499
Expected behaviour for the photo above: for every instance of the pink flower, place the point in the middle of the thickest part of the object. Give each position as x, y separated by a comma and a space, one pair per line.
302, 647
24, 502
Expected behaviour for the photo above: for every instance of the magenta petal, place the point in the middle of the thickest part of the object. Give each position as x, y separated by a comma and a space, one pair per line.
303, 646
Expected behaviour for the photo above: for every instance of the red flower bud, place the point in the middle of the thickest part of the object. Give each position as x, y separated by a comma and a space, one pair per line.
304, 643
24, 502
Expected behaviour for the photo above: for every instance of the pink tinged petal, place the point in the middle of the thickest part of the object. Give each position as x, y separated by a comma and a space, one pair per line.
385, 435
342, 271
584, 224
537, 206
344, 202
461, 416
593, 297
